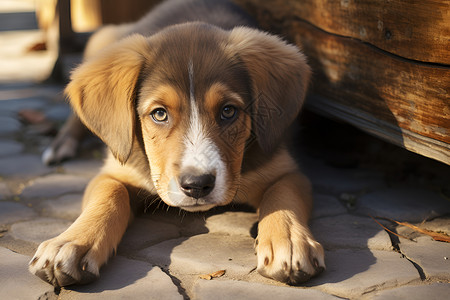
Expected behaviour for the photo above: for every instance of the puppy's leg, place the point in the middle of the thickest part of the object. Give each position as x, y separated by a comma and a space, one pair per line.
76, 255
66, 143
285, 247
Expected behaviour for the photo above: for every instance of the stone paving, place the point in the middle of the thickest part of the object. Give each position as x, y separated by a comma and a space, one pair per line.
164, 251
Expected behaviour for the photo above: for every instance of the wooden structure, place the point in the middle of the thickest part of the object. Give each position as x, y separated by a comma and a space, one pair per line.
381, 65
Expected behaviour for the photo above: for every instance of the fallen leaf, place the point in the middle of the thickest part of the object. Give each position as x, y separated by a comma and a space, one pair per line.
210, 276
388, 230
218, 274
31, 116
206, 277
441, 237
37, 122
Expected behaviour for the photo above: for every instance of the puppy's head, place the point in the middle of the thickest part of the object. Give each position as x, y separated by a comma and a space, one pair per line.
196, 93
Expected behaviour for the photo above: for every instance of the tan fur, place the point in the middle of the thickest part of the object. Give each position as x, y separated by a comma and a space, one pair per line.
162, 165
275, 83
110, 87
114, 93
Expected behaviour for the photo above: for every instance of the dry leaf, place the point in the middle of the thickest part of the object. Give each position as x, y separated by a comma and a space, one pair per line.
216, 274
441, 237
396, 234
31, 116
206, 277
37, 122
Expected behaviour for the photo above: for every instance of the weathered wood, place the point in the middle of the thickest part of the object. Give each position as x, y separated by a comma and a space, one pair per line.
412, 97
415, 96
415, 29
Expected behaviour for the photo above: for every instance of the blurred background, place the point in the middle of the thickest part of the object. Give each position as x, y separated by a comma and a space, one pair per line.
42, 38
23, 56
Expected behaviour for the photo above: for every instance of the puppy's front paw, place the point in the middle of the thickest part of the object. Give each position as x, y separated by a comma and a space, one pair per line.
286, 250
63, 262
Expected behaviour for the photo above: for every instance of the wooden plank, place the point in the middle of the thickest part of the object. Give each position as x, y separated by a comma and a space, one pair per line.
412, 97
393, 134
414, 29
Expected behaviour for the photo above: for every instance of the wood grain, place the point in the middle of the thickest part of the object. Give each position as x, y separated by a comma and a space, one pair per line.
412, 97
415, 95
414, 29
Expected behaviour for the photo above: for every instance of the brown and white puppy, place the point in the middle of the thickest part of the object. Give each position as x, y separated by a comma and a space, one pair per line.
193, 112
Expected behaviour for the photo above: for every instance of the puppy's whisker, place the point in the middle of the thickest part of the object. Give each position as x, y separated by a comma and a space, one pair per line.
183, 214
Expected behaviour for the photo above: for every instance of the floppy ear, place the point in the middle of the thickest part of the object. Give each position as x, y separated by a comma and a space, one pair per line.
279, 77
102, 92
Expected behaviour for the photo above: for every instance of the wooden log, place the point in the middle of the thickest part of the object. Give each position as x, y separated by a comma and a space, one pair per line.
415, 29
405, 102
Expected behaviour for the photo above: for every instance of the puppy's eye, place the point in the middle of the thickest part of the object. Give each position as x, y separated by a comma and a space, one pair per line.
159, 115
228, 112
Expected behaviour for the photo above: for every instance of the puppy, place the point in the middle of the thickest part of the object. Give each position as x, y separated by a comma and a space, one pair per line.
192, 102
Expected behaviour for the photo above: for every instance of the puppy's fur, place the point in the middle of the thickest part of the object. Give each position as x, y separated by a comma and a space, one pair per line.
192, 103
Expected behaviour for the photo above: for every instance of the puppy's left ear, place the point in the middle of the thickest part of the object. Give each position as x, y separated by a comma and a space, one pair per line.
102, 92
279, 77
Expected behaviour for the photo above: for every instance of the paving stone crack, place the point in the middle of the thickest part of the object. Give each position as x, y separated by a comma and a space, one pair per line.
177, 283
396, 247
417, 266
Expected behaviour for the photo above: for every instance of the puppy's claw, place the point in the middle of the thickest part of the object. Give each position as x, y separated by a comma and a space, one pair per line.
45, 264
33, 261
316, 263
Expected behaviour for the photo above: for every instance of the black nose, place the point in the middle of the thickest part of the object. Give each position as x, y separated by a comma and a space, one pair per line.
197, 186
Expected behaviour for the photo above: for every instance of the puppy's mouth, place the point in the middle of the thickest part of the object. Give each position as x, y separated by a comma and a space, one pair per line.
197, 207
195, 193
191, 204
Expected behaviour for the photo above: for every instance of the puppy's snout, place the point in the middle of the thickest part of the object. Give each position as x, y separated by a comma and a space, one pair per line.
197, 186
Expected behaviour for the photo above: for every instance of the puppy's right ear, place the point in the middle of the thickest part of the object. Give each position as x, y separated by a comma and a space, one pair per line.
102, 92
